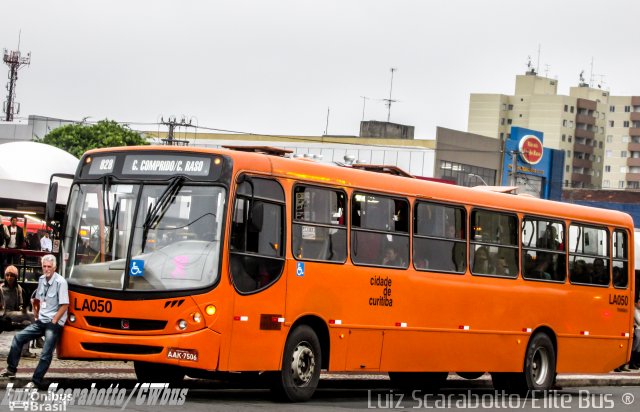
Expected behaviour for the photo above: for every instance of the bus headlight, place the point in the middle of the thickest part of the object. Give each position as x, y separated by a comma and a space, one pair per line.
182, 324
72, 318
197, 317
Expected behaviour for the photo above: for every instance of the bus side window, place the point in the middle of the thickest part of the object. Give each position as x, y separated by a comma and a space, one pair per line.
318, 227
439, 241
379, 226
620, 259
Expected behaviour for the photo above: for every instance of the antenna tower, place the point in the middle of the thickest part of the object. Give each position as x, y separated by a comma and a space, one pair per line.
389, 101
15, 61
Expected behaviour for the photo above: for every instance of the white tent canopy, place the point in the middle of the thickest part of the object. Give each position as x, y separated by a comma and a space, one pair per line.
26, 168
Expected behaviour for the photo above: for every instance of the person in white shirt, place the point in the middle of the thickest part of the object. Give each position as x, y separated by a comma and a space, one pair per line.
45, 243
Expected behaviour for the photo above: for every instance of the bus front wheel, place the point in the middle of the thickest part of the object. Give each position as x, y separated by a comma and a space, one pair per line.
157, 373
300, 374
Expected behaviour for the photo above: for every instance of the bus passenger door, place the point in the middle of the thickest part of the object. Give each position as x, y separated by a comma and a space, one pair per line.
256, 265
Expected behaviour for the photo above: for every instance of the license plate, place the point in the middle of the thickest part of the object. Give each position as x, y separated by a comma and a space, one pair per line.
182, 354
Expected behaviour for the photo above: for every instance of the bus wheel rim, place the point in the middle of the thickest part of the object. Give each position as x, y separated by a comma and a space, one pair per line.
540, 366
303, 364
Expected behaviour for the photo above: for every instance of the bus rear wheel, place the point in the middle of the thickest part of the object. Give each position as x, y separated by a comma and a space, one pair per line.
300, 374
148, 372
539, 369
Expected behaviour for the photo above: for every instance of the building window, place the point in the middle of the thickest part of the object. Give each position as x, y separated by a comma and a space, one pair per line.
510, 107
568, 153
627, 109
625, 139
567, 168
605, 183
501, 135
623, 169
607, 153
611, 123
607, 169
459, 173
564, 123
570, 137
509, 121
571, 124
571, 109
621, 184
623, 153
564, 137
566, 107
612, 109
609, 138
504, 106
502, 121
625, 123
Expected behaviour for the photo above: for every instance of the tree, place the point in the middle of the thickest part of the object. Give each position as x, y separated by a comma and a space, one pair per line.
78, 138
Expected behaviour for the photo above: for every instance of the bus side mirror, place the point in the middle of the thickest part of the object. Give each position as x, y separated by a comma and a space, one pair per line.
256, 217
51, 202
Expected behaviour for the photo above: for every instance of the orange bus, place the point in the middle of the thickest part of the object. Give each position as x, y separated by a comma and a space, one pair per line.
205, 261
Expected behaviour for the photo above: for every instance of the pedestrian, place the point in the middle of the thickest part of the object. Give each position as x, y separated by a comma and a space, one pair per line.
15, 314
15, 240
634, 363
50, 318
45, 242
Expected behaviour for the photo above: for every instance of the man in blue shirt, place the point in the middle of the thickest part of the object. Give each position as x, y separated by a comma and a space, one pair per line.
53, 295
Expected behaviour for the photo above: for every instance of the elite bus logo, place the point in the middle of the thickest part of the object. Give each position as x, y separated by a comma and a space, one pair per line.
530, 149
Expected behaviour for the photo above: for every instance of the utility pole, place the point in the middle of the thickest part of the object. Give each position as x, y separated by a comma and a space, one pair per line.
514, 167
364, 104
326, 127
172, 123
15, 61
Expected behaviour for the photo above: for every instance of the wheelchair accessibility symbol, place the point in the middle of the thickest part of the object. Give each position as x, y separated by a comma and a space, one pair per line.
136, 267
300, 269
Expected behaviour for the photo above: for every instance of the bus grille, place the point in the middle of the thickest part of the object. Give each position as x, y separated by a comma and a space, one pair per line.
123, 349
126, 324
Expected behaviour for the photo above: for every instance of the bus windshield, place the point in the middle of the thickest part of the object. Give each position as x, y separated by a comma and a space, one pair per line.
144, 237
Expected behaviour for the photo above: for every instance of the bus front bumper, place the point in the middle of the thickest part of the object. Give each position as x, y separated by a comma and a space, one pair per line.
199, 349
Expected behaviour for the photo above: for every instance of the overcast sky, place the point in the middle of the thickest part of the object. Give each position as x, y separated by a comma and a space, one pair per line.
274, 67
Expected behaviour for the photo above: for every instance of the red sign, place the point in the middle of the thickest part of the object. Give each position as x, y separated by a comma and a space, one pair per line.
531, 150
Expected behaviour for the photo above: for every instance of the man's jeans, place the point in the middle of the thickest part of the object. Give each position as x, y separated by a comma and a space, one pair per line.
51, 333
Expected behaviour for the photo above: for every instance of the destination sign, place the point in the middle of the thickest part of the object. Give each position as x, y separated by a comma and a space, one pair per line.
166, 165
153, 165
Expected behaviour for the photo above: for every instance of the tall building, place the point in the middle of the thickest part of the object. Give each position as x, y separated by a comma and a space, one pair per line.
599, 133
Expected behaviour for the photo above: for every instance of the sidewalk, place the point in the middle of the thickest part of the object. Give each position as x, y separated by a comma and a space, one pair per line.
120, 370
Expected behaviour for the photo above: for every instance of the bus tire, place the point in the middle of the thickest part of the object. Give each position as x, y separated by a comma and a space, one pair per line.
301, 363
147, 372
424, 381
540, 363
539, 370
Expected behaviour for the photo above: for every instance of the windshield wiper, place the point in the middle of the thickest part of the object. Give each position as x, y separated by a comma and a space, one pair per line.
156, 212
112, 224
